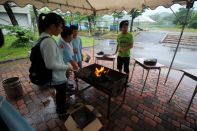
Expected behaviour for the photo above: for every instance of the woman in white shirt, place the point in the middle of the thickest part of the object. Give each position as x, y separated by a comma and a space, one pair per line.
52, 24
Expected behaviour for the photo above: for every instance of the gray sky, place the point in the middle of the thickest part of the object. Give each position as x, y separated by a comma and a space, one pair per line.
163, 9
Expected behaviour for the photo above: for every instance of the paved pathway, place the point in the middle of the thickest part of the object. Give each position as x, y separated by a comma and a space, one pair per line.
139, 113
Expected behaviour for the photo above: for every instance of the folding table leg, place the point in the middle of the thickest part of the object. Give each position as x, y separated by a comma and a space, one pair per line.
158, 80
113, 64
143, 74
145, 82
195, 91
177, 87
132, 71
125, 89
108, 106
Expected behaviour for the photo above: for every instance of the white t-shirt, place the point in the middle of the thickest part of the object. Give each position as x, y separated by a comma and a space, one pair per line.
53, 59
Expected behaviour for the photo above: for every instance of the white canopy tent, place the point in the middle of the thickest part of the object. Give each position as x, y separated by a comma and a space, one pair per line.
141, 18
144, 19
96, 6
106, 7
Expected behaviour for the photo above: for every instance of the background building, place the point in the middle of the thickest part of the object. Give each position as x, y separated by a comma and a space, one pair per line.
22, 16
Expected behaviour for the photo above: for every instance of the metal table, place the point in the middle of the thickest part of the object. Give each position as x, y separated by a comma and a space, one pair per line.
140, 61
105, 58
119, 84
191, 73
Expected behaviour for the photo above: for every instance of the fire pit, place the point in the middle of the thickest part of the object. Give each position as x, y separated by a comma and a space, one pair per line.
108, 81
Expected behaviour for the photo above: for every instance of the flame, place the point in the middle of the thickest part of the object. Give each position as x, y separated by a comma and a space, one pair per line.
99, 72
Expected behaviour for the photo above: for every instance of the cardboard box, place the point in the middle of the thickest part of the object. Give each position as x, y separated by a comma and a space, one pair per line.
71, 125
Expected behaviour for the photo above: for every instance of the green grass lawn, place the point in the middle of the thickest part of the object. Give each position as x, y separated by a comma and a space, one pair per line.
8, 53
87, 41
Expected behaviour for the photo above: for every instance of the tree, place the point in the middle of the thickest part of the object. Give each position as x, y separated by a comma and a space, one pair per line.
117, 15
34, 17
134, 13
180, 16
7, 7
35, 14
79, 17
91, 19
163, 19
68, 17
193, 21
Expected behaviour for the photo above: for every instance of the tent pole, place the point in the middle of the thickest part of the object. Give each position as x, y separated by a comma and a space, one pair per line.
189, 5
94, 14
93, 48
175, 15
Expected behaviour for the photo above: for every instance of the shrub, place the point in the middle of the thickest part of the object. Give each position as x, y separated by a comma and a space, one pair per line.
24, 36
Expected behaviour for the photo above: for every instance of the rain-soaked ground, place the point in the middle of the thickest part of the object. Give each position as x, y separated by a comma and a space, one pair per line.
139, 112
147, 44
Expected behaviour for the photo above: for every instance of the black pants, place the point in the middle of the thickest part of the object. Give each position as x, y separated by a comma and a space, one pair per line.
123, 61
61, 95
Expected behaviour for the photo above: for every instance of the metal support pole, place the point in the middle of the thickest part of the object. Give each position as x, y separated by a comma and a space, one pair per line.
94, 14
195, 91
158, 81
93, 48
132, 71
183, 27
143, 74
145, 82
108, 106
176, 87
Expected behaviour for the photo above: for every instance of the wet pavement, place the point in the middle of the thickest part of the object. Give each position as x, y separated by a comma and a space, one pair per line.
144, 112
147, 44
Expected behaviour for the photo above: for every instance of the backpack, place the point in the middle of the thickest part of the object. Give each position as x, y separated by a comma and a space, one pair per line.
38, 73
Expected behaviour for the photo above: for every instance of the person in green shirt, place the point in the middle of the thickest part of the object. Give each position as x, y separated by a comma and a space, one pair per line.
124, 45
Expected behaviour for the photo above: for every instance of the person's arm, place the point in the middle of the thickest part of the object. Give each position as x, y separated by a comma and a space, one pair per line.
74, 65
48, 49
117, 48
75, 50
127, 48
69, 58
81, 47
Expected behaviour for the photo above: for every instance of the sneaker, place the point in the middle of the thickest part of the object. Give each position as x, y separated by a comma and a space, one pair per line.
63, 109
71, 86
70, 90
63, 116
129, 85
60, 111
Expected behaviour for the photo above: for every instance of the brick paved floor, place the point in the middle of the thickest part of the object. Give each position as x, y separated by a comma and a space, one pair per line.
139, 113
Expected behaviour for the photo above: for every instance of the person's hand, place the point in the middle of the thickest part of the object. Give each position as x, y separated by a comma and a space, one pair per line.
120, 50
76, 68
70, 67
